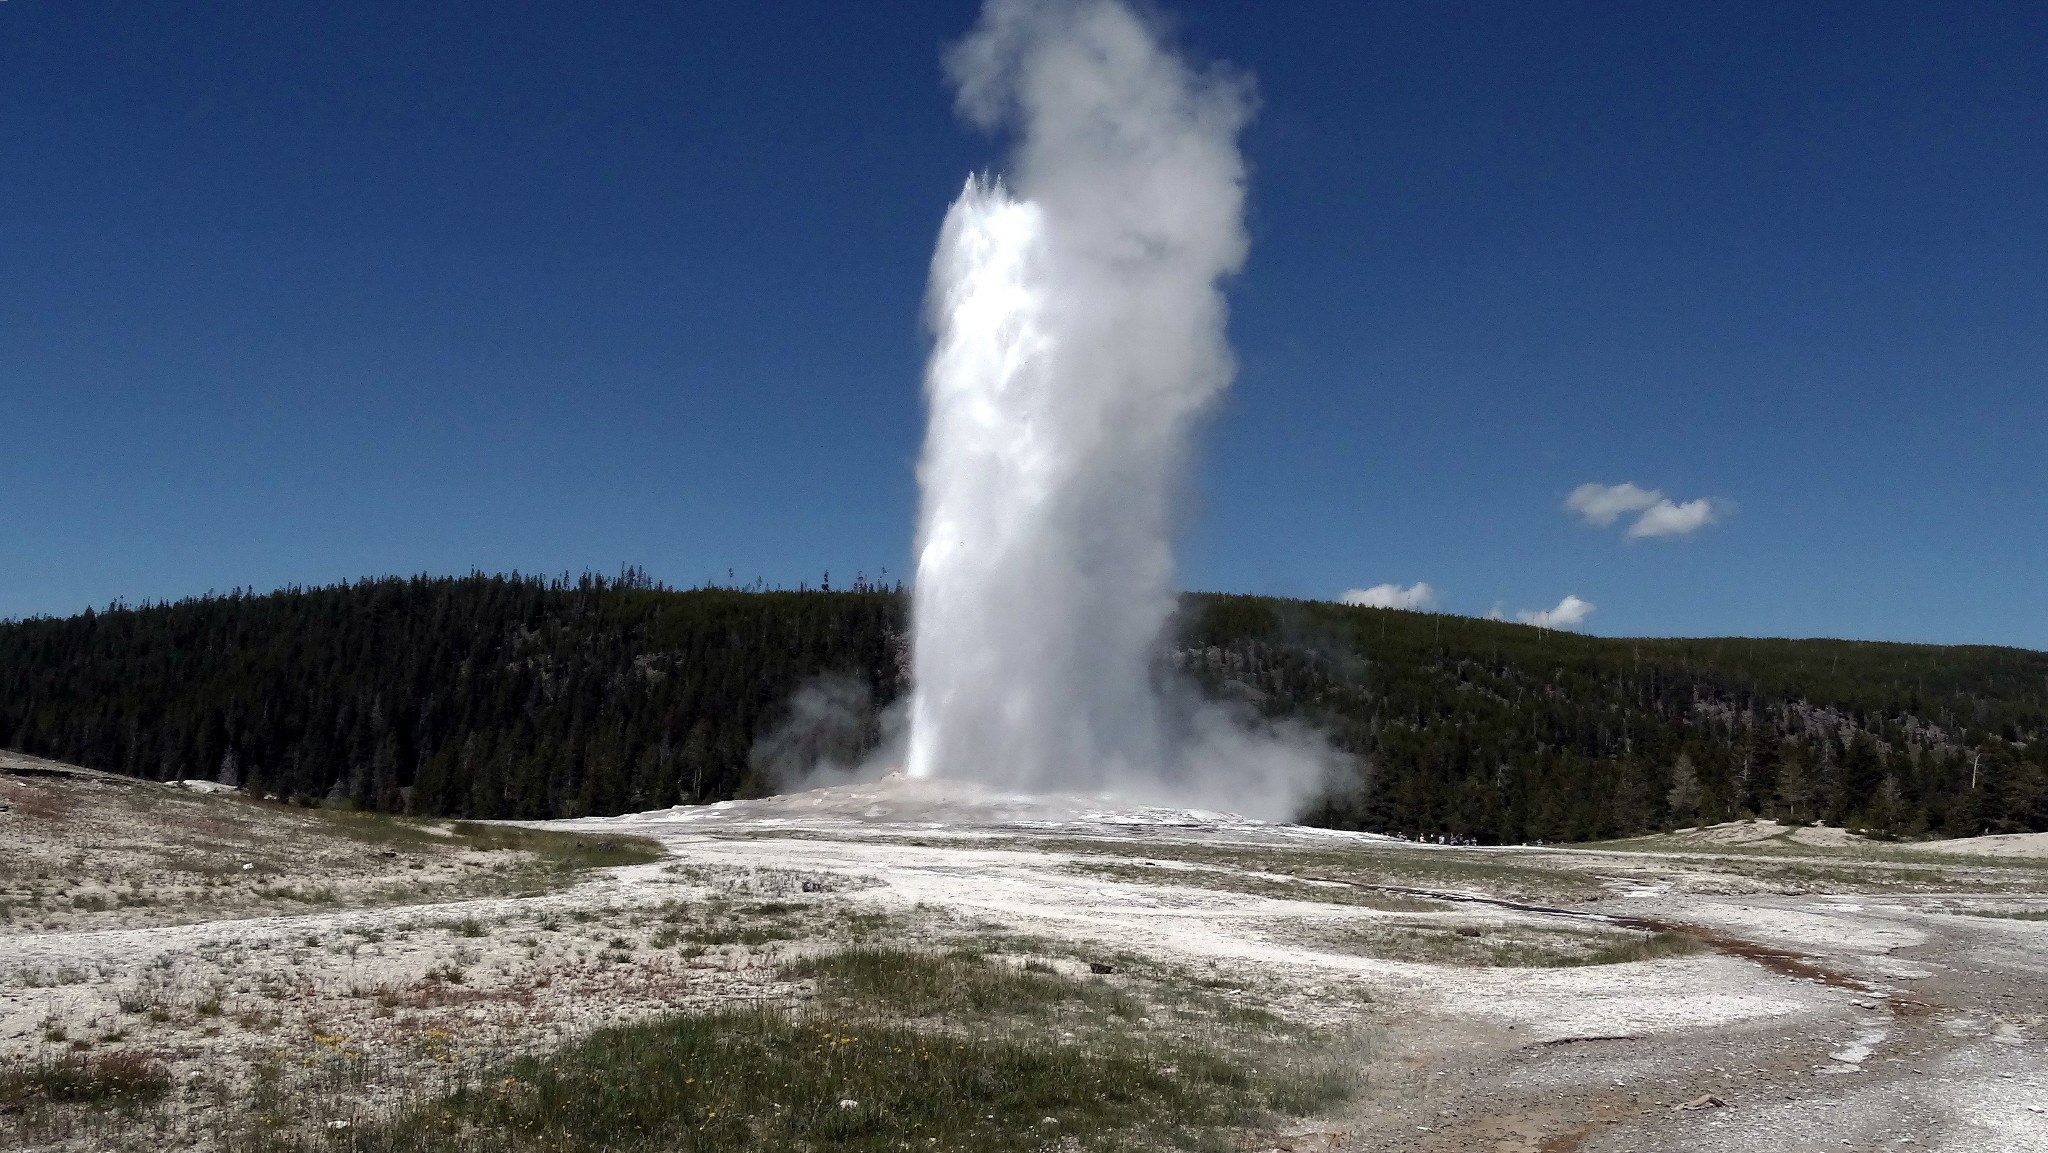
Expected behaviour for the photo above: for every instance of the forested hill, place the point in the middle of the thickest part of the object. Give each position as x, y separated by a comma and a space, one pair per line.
482, 696
1506, 732
519, 697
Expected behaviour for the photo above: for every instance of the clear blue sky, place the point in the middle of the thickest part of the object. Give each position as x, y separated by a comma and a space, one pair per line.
292, 293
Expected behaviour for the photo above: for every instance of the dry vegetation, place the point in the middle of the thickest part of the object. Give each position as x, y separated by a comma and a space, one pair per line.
1497, 944
90, 850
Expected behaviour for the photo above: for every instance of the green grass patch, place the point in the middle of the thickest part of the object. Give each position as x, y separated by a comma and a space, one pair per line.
1370, 864
758, 1081
1502, 946
960, 985
1233, 881
900, 1049
1365, 863
738, 933
1643, 947
117, 1078
756, 924
1877, 856
563, 851
383, 830
2004, 914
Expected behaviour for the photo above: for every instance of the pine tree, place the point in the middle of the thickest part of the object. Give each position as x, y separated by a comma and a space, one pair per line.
1684, 795
1767, 761
1795, 788
1861, 777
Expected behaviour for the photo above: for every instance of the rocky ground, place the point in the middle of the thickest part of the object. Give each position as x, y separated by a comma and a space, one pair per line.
1746, 986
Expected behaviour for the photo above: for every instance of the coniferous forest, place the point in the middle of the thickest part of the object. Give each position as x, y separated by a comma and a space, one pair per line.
491, 696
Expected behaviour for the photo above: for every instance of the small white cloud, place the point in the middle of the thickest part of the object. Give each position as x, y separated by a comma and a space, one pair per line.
1601, 503
1499, 611
1390, 596
1667, 519
1569, 613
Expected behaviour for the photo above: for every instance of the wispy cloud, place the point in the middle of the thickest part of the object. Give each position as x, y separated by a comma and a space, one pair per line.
1667, 519
1601, 505
1391, 596
1569, 613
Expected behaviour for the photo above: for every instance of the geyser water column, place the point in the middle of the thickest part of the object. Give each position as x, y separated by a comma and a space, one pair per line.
1079, 334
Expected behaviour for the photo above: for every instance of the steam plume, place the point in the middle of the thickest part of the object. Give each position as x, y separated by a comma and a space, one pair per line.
1079, 331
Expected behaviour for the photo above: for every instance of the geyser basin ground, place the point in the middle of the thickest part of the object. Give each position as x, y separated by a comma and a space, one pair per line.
1473, 1026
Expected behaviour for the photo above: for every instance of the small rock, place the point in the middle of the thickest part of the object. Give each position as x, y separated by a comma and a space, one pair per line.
337, 1124
1099, 967
848, 1103
1703, 1101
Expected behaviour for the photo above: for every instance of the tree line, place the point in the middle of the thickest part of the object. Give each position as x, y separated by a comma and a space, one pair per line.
478, 696
1508, 733
526, 697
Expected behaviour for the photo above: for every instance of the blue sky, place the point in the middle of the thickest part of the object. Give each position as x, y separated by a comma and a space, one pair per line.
297, 293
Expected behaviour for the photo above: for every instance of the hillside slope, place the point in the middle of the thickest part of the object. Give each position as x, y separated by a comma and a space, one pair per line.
517, 697
1505, 732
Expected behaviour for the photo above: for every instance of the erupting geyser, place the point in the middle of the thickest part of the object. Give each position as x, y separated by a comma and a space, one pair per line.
1079, 327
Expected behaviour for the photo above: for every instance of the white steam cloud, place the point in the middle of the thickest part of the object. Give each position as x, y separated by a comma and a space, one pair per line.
1569, 613
1079, 331
1601, 504
830, 735
1391, 596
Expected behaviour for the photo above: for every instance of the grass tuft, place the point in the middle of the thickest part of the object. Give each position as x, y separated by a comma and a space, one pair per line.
121, 1078
755, 1080
1646, 947
2004, 914
563, 851
934, 985
1508, 945
900, 1049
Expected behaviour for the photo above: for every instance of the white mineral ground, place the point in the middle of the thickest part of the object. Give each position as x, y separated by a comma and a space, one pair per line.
1908, 1018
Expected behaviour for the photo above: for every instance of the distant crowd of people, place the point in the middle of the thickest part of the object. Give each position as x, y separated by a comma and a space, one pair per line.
1444, 839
